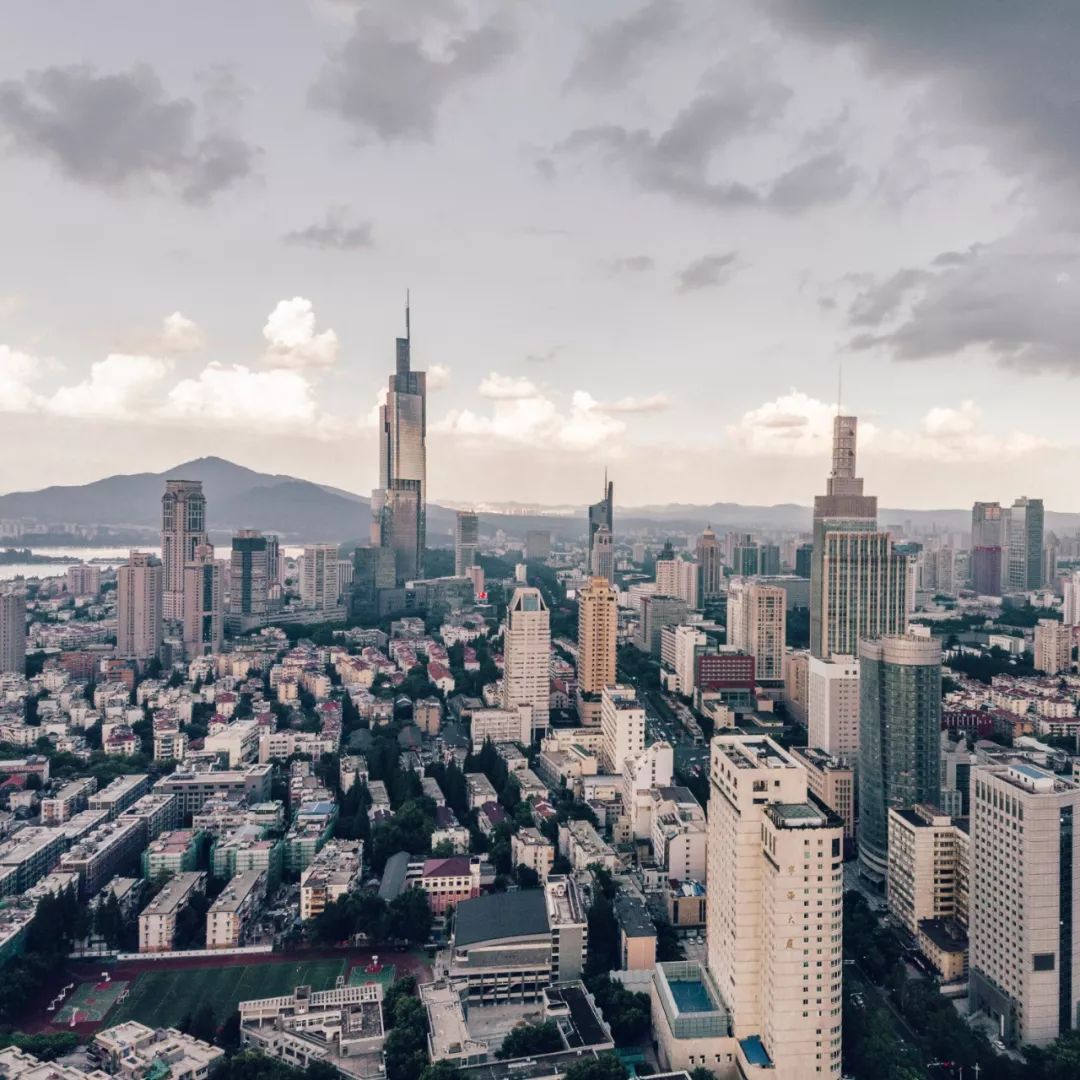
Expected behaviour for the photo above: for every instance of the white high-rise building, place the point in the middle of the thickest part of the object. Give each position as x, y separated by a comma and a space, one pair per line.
775, 906
1053, 646
833, 706
13, 633
140, 591
757, 624
1024, 921
690, 643
204, 603
1072, 599
527, 655
183, 529
466, 541
622, 722
642, 774
602, 554
319, 587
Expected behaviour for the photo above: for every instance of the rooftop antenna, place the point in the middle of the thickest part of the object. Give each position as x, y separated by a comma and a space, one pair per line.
408, 331
839, 386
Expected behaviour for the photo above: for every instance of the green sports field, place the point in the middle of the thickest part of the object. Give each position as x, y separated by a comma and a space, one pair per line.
164, 998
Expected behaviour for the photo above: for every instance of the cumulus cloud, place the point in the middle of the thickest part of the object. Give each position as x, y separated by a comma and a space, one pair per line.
179, 334
335, 232
544, 357
651, 403
438, 377
290, 332
18, 372
498, 387
708, 272
394, 72
117, 131
117, 388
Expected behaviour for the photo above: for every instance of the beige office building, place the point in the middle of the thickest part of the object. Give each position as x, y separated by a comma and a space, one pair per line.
598, 624
622, 721
923, 857
140, 585
757, 624
830, 781
833, 706
775, 911
527, 656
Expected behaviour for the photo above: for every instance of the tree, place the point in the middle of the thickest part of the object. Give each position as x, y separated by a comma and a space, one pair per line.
527, 877
626, 1012
203, 1024
409, 917
701, 1073
604, 1067
528, 1039
441, 1070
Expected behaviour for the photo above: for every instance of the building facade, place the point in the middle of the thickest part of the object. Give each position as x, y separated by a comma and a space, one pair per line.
598, 626
140, 597
466, 541
183, 529
527, 656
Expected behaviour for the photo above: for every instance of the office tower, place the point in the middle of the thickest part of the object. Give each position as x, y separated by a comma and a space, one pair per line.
804, 560
843, 508
987, 538
1024, 545
710, 566
775, 906
12, 633
183, 529
746, 559
602, 513
466, 541
1053, 647
622, 726
527, 655
899, 738
602, 555
598, 624
936, 570
252, 579
204, 603
757, 624
926, 852
537, 544
1024, 920
666, 580
399, 503
84, 580
833, 706
140, 595
373, 569
1051, 554
688, 644
1072, 599
656, 613
768, 560
319, 588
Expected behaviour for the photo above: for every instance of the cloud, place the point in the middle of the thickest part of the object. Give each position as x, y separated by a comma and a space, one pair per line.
334, 232
438, 377
615, 52
290, 331
18, 372
708, 272
498, 387
9, 305
395, 71
180, 335
119, 387
651, 403
120, 131
631, 264
793, 424
544, 357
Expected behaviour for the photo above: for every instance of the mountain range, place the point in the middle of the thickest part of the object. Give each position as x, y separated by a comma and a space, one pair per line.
299, 510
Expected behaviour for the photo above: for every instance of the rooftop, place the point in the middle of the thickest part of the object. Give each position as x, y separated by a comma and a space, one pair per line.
505, 915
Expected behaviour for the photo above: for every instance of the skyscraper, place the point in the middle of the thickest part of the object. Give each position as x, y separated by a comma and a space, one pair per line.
527, 655
710, 566
602, 555
986, 543
602, 513
466, 541
899, 737
319, 588
13, 633
598, 624
204, 603
140, 590
399, 503
1071, 608
183, 529
757, 624
1053, 647
252, 578
1024, 545
622, 721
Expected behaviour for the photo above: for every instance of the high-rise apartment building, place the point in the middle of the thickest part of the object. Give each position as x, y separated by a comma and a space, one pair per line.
253, 586
804, 560
537, 543
710, 566
204, 603
757, 624
1071, 609
602, 554
656, 613
833, 706
1053, 646
183, 529
598, 624
527, 656
1024, 921
466, 541
775, 906
84, 580
140, 594
602, 513
987, 538
768, 560
13, 632
399, 503
1024, 545
622, 723
899, 738
319, 587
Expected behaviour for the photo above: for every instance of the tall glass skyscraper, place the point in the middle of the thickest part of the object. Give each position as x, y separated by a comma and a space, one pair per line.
601, 513
399, 503
1024, 545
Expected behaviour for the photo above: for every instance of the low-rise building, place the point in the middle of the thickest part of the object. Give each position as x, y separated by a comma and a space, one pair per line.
133, 1051
528, 847
157, 921
583, 846
69, 800
637, 933
232, 913
171, 853
334, 872
450, 881
679, 835
193, 787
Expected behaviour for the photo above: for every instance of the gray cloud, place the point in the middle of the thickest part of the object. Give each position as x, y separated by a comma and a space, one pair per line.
546, 356
336, 232
631, 264
708, 272
615, 52
400, 63
114, 131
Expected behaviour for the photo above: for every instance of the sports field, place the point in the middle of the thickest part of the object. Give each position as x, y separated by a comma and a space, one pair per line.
89, 1002
164, 998
385, 974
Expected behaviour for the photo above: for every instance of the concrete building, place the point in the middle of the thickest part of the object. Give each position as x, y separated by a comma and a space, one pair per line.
657, 612
254, 590
831, 782
1071, 606
173, 852
104, 852
140, 597
193, 787
157, 921
183, 530
529, 848
1053, 646
602, 555
334, 872
68, 801
1025, 908
643, 774
757, 624
923, 873
450, 880
710, 566
237, 743
679, 833
1023, 554
622, 721
12, 633
84, 579
637, 933
123, 792
204, 603
231, 915
527, 656
833, 705
899, 738
466, 541
320, 589
583, 846
133, 1051
598, 625
774, 929
512, 725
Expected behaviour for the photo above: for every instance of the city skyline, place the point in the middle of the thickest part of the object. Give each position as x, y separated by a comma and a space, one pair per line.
234, 286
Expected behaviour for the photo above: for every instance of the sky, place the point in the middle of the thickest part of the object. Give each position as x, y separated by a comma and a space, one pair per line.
657, 238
